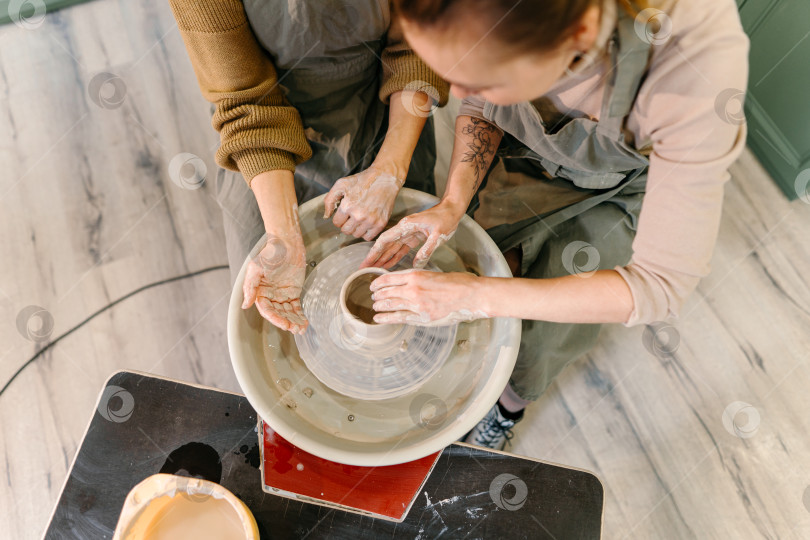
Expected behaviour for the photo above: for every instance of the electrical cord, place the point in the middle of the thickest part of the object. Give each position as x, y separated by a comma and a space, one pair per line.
102, 310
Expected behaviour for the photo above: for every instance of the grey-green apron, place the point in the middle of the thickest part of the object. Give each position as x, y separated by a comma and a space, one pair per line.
327, 56
594, 156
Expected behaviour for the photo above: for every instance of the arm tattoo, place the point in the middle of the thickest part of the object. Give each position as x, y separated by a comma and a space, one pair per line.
481, 147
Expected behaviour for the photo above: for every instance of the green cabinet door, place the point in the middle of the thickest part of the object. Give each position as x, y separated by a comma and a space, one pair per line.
778, 102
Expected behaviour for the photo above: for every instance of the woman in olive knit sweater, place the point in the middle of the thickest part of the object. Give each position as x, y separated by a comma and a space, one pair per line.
304, 92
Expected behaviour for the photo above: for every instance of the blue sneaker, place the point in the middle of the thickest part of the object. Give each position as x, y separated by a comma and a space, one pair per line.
494, 430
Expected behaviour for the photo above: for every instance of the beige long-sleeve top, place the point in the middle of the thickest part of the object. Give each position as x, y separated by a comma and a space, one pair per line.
685, 117
259, 129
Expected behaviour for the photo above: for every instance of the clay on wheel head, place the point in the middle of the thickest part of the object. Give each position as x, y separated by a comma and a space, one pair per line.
355, 296
346, 350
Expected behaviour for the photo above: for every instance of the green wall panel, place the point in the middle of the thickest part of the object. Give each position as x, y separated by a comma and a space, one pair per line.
28, 7
778, 102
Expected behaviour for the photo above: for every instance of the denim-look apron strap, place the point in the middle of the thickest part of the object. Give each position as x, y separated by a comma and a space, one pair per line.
625, 84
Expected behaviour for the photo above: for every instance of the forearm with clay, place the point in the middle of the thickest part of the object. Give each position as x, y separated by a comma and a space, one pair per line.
276, 272
275, 194
476, 142
407, 114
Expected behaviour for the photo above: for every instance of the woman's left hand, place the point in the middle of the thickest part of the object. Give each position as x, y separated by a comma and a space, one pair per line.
425, 298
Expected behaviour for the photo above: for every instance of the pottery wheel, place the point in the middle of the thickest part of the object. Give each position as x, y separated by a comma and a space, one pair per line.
358, 365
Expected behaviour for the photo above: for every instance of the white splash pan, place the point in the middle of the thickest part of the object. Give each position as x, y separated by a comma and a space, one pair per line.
376, 433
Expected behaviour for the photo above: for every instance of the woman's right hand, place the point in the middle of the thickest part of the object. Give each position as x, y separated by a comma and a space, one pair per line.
273, 281
362, 203
433, 226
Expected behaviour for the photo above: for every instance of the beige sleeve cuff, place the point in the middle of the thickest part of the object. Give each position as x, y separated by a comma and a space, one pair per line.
658, 293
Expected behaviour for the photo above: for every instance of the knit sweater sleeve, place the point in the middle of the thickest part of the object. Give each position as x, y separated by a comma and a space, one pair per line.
259, 130
404, 70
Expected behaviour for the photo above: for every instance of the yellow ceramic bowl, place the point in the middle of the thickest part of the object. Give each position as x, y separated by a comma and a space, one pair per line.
164, 506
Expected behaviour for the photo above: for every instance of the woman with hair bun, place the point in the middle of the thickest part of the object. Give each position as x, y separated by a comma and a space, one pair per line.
612, 125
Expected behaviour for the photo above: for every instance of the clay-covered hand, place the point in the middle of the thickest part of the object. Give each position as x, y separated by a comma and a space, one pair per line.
362, 203
433, 226
425, 298
273, 282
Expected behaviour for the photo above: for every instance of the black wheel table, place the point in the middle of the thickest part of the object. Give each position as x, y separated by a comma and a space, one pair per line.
145, 424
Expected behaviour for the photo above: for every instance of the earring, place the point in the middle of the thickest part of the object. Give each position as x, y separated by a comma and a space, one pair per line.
577, 57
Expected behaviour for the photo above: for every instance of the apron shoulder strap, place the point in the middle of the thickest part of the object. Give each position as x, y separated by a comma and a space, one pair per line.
630, 56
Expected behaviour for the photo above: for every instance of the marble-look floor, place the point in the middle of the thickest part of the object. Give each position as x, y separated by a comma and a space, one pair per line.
89, 213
